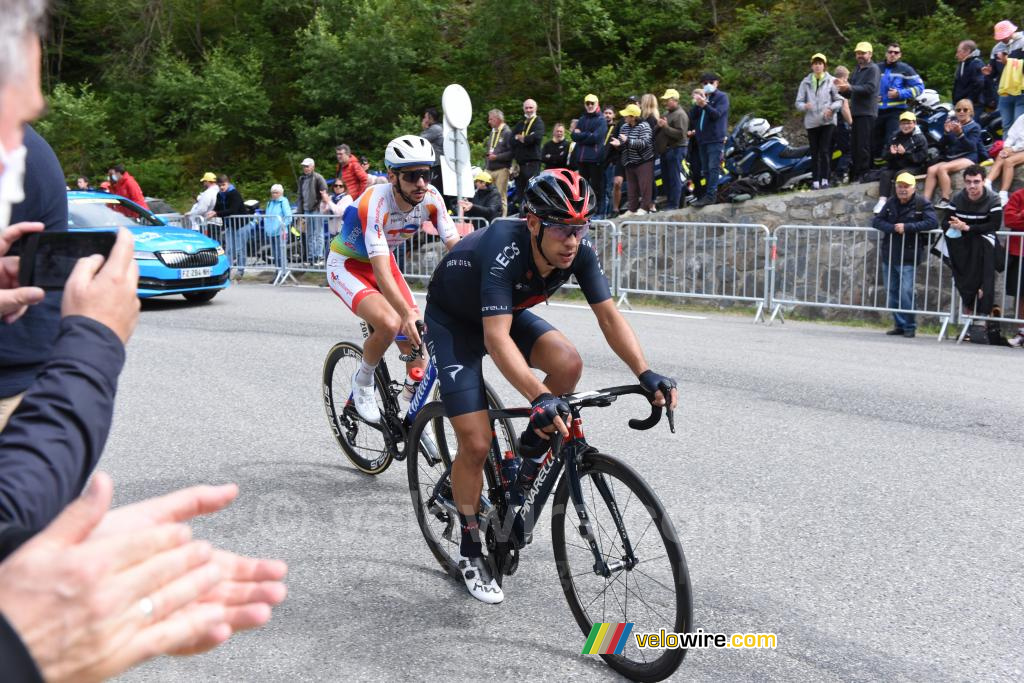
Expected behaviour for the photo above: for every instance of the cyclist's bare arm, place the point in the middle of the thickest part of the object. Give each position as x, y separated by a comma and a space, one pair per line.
622, 340
388, 287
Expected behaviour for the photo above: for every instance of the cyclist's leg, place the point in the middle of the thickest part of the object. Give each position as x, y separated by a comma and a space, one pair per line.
550, 351
352, 281
458, 352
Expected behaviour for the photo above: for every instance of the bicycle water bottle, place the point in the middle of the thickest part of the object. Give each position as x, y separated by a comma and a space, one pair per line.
509, 470
411, 383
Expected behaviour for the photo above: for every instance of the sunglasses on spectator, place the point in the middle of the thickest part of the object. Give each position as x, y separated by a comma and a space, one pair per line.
339, 186
962, 109
893, 52
563, 231
414, 177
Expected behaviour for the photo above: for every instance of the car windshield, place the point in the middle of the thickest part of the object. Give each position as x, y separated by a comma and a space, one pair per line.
106, 212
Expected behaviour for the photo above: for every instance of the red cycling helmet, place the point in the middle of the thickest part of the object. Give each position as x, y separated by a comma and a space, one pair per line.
561, 196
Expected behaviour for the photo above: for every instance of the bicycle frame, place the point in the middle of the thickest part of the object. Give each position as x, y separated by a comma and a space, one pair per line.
566, 462
419, 398
516, 530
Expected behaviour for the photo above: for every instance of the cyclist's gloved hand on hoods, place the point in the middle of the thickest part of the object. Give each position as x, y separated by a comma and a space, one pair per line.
652, 382
544, 409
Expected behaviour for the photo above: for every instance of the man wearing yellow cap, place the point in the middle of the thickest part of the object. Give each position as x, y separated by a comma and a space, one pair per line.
903, 221
589, 134
670, 145
206, 200
907, 152
862, 91
486, 201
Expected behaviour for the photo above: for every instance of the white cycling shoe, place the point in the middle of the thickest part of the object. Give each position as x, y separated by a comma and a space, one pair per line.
479, 582
365, 401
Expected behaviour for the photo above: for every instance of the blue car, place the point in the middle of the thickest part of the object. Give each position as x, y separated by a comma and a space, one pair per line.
171, 260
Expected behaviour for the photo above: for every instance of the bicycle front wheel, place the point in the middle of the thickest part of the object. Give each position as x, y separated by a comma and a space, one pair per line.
362, 443
653, 594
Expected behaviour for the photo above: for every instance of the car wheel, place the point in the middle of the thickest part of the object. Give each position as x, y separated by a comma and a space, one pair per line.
204, 295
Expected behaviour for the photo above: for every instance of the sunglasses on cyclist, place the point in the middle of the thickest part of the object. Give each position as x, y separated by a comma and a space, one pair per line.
563, 231
414, 177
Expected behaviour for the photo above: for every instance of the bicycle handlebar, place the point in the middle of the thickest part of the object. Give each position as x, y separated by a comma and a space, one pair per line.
603, 397
416, 351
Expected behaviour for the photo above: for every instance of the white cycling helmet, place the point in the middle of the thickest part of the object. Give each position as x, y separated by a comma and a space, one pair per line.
409, 150
759, 127
928, 98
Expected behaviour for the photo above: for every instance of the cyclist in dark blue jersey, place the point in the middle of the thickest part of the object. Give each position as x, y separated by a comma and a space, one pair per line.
477, 304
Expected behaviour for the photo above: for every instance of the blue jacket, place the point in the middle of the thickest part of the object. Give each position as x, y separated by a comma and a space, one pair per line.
967, 144
712, 120
590, 140
277, 217
25, 345
55, 437
901, 77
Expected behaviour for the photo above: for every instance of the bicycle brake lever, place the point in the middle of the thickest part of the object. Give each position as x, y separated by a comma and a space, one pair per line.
671, 415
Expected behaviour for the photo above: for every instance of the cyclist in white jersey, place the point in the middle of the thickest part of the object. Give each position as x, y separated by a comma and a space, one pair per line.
361, 268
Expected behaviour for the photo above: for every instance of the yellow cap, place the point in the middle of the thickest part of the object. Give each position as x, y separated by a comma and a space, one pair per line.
908, 116
863, 46
817, 55
630, 110
906, 178
671, 94
590, 98
208, 178
484, 176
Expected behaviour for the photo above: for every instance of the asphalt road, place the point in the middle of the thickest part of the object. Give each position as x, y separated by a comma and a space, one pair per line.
856, 494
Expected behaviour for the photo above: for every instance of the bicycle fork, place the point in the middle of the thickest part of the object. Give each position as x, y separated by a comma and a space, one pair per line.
602, 567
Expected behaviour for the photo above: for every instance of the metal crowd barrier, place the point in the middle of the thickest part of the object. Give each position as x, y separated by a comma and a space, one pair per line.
844, 267
730, 262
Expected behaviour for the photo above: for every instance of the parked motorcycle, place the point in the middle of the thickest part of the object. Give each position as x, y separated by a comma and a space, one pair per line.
757, 151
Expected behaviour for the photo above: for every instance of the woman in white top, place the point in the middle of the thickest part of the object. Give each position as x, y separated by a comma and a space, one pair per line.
1009, 157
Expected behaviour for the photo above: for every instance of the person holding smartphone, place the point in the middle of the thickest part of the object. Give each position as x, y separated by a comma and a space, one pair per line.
976, 213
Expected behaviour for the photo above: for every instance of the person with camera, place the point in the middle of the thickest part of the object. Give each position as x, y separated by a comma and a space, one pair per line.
962, 147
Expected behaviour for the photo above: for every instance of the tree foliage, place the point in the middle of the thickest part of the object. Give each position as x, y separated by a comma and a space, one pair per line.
178, 87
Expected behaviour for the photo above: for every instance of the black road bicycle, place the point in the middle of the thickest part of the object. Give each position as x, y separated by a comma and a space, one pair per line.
617, 553
373, 447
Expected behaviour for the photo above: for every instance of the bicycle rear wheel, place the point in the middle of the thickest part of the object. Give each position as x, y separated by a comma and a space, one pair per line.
436, 447
654, 594
362, 443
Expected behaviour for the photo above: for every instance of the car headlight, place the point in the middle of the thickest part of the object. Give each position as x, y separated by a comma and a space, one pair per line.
145, 256
220, 250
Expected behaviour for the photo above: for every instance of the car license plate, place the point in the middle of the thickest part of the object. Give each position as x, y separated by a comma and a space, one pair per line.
188, 273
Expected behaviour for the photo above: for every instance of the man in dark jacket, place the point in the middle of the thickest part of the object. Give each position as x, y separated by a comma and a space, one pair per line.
230, 209
310, 185
902, 221
898, 86
862, 91
670, 146
528, 135
499, 154
486, 203
589, 135
710, 133
906, 153
976, 214
969, 81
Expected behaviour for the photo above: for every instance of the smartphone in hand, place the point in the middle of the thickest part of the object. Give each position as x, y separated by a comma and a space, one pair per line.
47, 258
